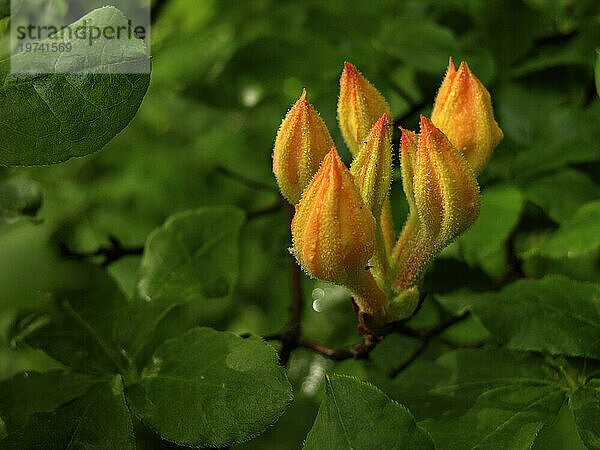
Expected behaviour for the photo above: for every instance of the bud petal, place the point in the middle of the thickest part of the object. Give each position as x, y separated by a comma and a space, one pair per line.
408, 155
333, 231
463, 111
301, 144
446, 199
445, 185
372, 166
387, 226
359, 107
333, 234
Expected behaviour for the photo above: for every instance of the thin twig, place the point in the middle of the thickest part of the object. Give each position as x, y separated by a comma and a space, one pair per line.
111, 253
425, 337
360, 350
414, 355
243, 179
275, 207
290, 336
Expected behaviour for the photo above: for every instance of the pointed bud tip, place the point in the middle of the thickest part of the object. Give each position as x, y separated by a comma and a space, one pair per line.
349, 74
349, 67
425, 123
464, 73
332, 159
408, 137
451, 66
381, 123
429, 130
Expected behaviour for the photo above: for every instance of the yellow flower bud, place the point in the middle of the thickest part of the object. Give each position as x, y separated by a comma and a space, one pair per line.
387, 226
372, 165
408, 155
333, 234
463, 111
445, 186
301, 144
359, 107
446, 196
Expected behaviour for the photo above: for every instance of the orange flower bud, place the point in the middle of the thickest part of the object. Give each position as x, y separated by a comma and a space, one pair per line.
463, 111
333, 234
301, 144
333, 230
372, 166
446, 197
359, 107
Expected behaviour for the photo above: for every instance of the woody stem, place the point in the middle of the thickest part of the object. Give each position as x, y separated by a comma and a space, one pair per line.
371, 301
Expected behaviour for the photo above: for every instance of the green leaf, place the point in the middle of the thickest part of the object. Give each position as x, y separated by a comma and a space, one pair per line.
57, 110
576, 236
429, 53
585, 404
507, 28
559, 434
578, 51
81, 326
484, 244
99, 419
554, 314
211, 388
357, 415
597, 71
562, 193
20, 199
543, 132
488, 398
507, 417
30, 392
194, 255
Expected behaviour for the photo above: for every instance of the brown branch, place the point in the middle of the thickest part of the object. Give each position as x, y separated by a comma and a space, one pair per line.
360, 350
290, 335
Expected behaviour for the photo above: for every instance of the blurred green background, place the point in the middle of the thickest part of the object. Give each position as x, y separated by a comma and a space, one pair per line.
224, 75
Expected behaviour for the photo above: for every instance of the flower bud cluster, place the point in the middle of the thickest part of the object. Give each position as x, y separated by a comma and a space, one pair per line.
342, 230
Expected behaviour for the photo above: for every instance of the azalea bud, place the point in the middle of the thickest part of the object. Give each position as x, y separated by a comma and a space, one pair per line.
408, 154
463, 111
446, 197
387, 226
446, 190
333, 234
333, 230
372, 166
359, 107
301, 144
